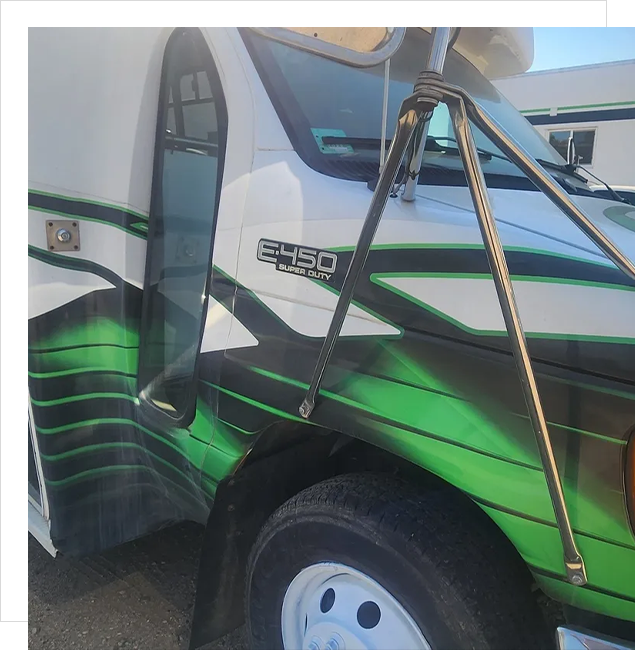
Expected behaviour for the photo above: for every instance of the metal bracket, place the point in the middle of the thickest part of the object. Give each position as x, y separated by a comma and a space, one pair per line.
62, 235
434, 66
500, 273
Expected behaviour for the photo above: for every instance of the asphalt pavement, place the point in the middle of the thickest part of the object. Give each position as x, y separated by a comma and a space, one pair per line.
138, 596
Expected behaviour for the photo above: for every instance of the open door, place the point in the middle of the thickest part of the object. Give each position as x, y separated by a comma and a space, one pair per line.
188, 169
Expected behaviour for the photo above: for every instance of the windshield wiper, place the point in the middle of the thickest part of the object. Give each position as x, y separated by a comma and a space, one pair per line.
432, 144
569, 170
614, 195
572, 170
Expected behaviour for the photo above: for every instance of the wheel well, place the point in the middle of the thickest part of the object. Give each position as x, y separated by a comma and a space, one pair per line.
281, 464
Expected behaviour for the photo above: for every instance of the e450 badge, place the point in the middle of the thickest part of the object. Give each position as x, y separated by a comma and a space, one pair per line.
300, 260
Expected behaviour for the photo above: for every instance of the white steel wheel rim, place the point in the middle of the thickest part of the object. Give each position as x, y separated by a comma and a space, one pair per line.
330, 606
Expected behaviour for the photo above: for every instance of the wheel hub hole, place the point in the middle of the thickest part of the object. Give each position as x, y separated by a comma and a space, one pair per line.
368, 615
328, 598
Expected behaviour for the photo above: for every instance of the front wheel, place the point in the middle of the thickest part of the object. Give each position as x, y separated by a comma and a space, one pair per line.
333, 606
365, 561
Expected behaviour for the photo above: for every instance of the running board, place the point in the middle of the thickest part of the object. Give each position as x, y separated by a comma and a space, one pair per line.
38, 527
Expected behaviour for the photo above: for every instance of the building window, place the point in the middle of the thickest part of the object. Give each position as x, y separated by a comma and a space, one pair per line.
583, 140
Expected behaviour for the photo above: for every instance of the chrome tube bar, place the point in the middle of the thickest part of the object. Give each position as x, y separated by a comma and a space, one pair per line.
405, 128
436, 60
410, 117
500, 273
384, 115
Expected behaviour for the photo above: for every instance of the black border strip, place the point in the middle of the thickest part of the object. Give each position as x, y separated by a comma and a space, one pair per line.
544, 522
85, 210
629, 475
455, 443
560, 578
81, 347
606, 115
76, 264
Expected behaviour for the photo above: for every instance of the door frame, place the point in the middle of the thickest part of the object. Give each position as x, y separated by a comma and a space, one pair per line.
39, 523
154, 413
43, 509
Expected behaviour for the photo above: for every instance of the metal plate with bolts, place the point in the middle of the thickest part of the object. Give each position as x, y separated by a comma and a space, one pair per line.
62, 235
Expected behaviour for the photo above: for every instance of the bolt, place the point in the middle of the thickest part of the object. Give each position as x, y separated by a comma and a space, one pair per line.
332, 644
336, 642
63, 236
577, 579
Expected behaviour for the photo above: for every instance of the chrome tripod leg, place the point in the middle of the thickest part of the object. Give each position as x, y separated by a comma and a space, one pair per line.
476, 181
405, 128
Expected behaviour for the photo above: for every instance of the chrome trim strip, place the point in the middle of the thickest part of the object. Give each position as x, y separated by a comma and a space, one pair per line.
38, 527
578, 639
38, 464
35, 504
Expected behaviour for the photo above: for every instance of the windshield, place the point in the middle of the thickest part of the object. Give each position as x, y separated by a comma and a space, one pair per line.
320, 101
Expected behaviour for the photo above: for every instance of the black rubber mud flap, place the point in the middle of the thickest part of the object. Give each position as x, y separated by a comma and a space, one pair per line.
242, 505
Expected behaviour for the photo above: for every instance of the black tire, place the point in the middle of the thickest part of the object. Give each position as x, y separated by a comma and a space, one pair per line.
442, 558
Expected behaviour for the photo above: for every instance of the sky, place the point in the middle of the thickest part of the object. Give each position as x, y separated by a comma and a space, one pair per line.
563, 47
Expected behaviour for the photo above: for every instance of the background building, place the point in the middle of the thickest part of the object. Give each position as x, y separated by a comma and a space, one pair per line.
594, 104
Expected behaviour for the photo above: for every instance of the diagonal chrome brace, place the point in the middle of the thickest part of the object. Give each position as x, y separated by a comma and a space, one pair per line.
414, 115
411, 111
500, 273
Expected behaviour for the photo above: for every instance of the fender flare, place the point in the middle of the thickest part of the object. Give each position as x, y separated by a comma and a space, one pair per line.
241, 507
